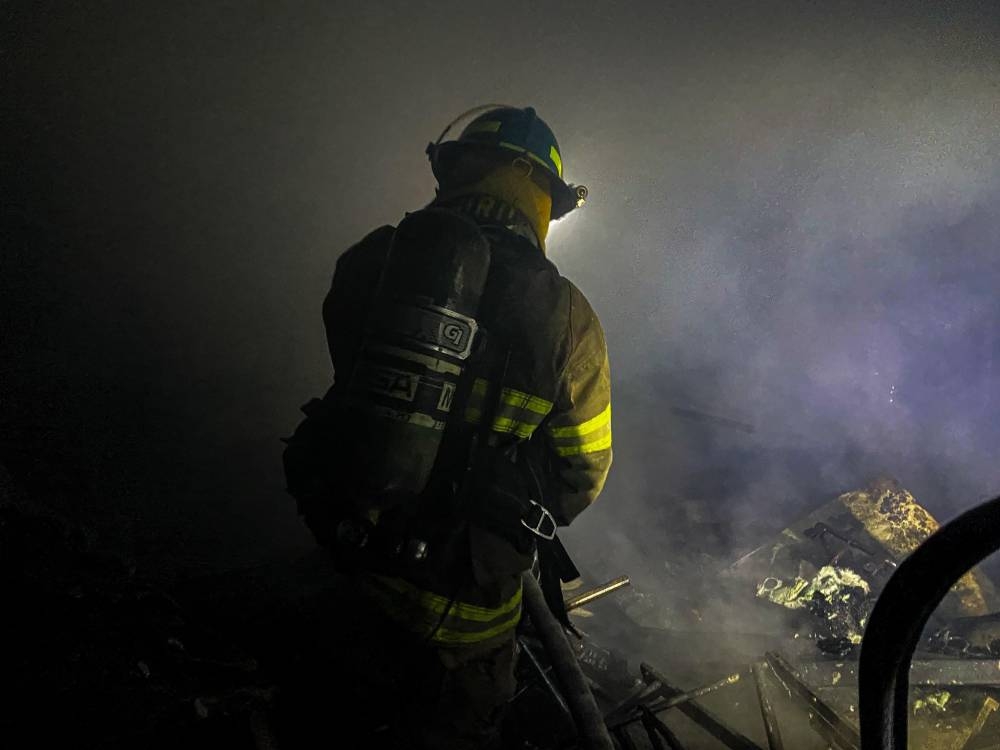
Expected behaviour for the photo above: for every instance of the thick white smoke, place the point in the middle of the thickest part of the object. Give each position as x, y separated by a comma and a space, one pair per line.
801, 237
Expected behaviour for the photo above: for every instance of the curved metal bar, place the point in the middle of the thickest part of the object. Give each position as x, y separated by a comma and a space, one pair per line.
902, 610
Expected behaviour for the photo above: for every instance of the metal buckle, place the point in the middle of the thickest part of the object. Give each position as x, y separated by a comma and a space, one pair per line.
543, 516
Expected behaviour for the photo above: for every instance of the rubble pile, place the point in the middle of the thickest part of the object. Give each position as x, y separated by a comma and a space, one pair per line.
124, 662
838, 598
102, 658
808, 594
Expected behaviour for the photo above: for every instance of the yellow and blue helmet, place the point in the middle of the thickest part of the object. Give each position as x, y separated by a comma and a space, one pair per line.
514, 130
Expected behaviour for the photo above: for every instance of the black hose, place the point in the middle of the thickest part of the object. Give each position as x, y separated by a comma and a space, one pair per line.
590, 727
902, 611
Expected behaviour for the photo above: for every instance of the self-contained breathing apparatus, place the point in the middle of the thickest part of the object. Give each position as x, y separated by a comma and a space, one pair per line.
409, 453
415, 356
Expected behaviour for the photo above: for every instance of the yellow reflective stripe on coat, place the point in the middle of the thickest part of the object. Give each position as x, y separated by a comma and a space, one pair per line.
587, 437
447, 622
518, 413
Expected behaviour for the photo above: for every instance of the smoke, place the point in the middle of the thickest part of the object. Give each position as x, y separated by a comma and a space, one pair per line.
810, 247
792, 225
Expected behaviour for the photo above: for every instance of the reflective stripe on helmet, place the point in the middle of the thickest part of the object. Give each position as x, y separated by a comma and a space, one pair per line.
550, 166
482, 126
556, 159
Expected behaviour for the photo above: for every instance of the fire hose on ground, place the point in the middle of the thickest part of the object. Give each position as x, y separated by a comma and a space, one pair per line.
590, 726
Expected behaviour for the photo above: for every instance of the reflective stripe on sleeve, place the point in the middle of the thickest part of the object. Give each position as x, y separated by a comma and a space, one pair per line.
518, 413
588, 437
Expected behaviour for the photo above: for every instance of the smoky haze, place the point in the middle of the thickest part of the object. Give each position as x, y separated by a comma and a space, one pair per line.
792, 226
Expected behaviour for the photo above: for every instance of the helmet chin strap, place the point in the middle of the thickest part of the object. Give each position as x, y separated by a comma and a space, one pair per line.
522, 167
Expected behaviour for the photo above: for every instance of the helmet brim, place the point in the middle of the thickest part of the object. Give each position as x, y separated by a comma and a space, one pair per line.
446, 159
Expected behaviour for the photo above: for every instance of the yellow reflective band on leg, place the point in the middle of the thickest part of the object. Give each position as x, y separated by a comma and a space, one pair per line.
438, 604
447, 622
444, 635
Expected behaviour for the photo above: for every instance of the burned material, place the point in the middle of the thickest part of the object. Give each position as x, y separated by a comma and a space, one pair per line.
103, 657
149, 667
804, 600
838, 596
832, 564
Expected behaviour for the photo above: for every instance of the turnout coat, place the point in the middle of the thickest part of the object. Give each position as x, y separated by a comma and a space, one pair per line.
551, 413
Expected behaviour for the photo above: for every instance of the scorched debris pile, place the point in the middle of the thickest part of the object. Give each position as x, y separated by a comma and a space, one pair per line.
125, 662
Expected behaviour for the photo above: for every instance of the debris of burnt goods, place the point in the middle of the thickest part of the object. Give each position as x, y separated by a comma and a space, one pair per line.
782, 670
126, 661
100, 657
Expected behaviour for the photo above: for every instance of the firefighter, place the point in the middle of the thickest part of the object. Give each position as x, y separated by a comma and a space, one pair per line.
483, 466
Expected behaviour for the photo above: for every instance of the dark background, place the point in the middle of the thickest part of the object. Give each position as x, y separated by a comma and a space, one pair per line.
792, 224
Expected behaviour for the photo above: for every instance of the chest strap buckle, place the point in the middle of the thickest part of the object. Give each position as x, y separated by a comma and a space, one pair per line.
539, 521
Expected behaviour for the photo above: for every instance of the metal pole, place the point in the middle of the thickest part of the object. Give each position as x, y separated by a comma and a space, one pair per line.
654, 726
690, 695
543, 675
601, 591
766, 709
840, 732
705, 719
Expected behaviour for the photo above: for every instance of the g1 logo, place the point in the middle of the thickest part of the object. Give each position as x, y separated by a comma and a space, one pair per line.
453, 333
